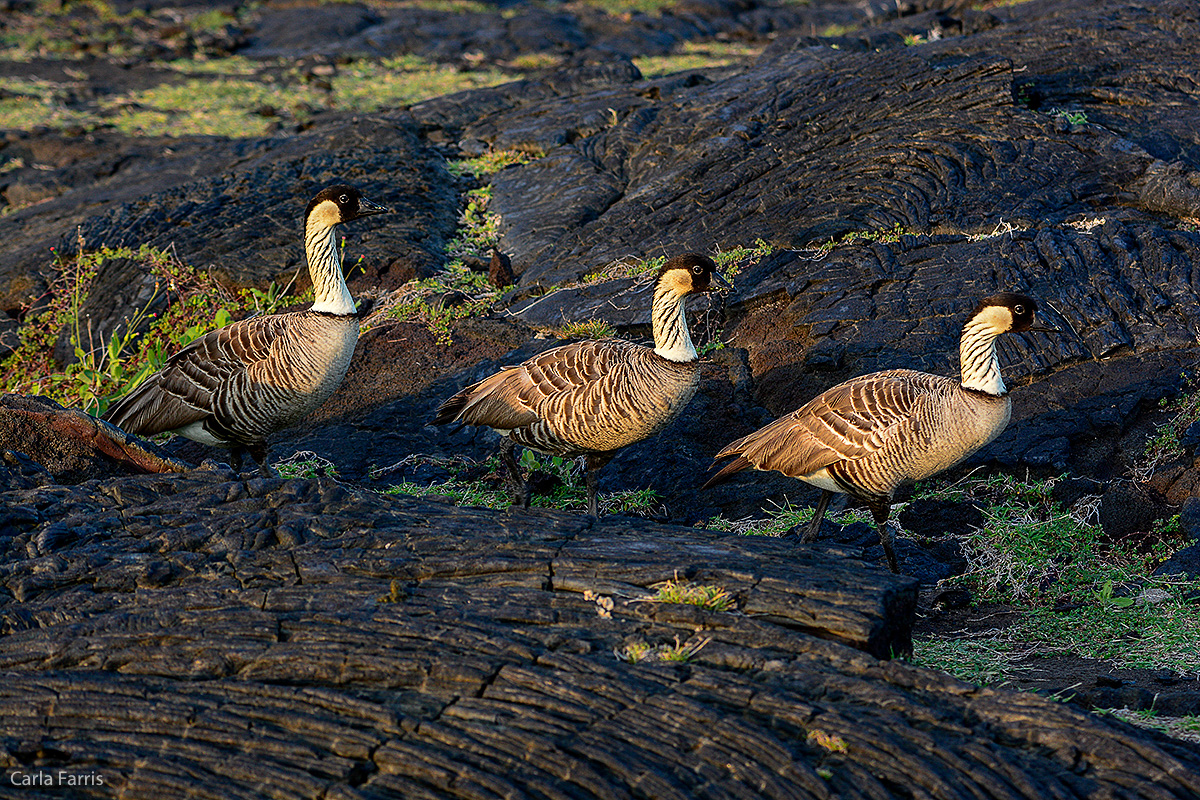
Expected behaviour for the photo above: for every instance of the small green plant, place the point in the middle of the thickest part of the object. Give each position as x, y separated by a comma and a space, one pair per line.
567, 470
459, 492
634, 653
679, 652
729, 262
1167, 528
1165, 445
1071, 117
439, 319
992, 490
305, 464
396, 593
888, 236
780, 519
640, 502
532, 62
457, 292
826, 741
491, 162
713, 598
1030, 547
463, 486
424, 301
625, 268
271, 299
838, 30
472, 484
1023, 94
1105, 597
589, 329
733, 261
1185, 727
479, 231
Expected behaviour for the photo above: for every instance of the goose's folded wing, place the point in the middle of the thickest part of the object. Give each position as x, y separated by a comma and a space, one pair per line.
521, 395
848, 422
185, 391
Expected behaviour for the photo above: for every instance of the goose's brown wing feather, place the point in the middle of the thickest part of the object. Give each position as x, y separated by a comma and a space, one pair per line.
189, 388
849, 422
564, 377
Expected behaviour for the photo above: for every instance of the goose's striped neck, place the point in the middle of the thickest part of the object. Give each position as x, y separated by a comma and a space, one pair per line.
325, 269
978, 359
672, 340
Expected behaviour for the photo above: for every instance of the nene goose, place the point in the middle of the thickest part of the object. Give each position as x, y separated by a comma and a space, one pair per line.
233, 387
871, 434
594, 397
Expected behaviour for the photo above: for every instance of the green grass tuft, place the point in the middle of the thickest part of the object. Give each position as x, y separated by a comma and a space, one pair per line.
588, 329
472, 484
886, 236
697, 55
457, 292
981, 661
305, 464
782, 518
713, 598
491, 162
641, 652
1165, 445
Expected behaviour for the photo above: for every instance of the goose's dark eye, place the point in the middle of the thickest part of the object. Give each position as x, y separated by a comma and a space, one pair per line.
1019, 310
696, 270
343, 199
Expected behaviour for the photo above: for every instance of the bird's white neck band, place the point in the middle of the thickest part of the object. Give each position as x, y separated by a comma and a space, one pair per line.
668, 316
978, 359
325, 269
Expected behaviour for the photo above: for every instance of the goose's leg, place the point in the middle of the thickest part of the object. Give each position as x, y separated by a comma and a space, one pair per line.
810, 533
235, 459
590, 482
595, 462
519, 486
258, 451
887, 537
